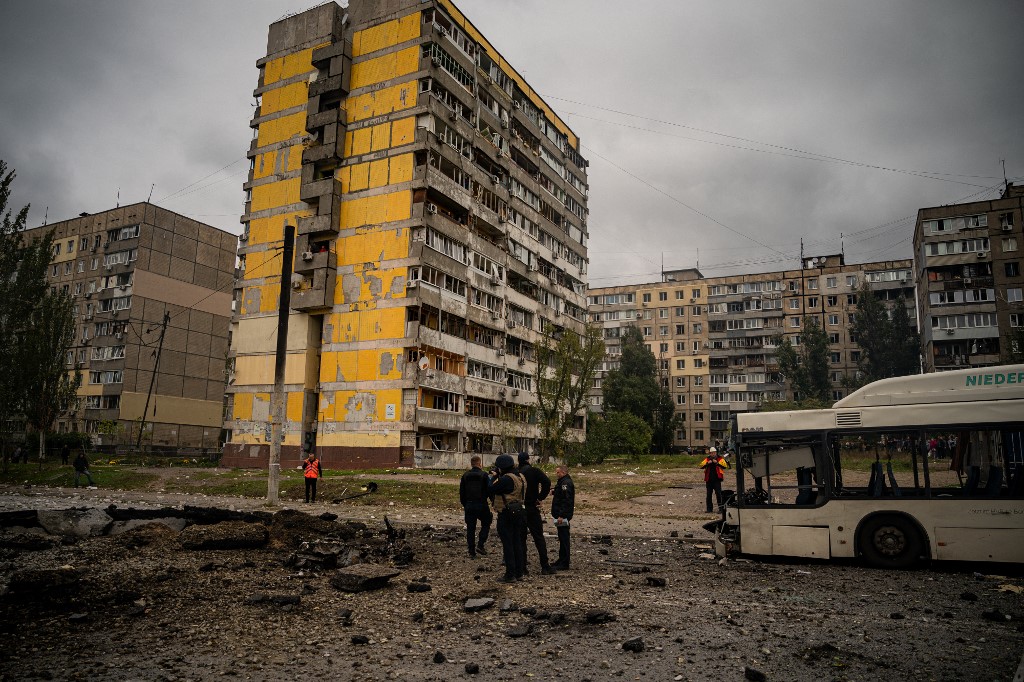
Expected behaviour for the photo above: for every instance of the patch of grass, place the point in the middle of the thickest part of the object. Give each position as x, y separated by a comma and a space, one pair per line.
58, 475
626, 491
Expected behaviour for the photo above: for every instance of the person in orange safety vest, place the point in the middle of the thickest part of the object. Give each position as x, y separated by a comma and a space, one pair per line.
313, 471
714, 468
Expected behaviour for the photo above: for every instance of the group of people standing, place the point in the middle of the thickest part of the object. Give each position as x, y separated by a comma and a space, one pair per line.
515, 494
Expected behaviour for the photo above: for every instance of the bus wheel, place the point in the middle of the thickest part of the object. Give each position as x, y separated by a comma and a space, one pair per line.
890, 542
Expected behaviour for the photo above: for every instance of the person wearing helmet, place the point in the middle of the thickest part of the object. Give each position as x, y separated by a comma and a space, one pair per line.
714, 468
508, 489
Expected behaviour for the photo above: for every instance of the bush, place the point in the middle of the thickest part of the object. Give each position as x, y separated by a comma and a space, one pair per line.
614, 432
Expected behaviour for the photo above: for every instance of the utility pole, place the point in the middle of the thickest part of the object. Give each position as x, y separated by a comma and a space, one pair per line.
277, 401
152, 379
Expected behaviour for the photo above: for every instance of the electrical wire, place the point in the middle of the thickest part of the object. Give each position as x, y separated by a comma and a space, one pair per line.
191, 184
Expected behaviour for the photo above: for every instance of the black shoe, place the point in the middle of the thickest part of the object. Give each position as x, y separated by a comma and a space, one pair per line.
559, 566
525, 572
548, 570
481, 551
521, 578
507, 579
472, 555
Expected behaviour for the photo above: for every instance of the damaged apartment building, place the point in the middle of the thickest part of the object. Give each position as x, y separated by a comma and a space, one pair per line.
440, 212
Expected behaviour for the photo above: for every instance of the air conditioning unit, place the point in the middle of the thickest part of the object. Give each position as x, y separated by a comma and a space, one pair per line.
903, 281
532, 267
504, 123
106, 245
118, 335
244, 237
517, 104
432, 209
693, 352
495, 281
307, 256
501, 351
693, 300
522, 361
297, 282
558, 313
412, 284
967, 280
1007, 227
122, 287
495, 179
982, 254
951, 331
88, 316
511, 324
495, 315
453, 115
88, 294
109, 267
639, 315
435, 61
515, 391
554, 256
93, 249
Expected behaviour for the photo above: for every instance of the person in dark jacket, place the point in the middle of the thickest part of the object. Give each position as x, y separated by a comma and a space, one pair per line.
714, 468
508, 489
537, 487
81, 465
563, 501
65, 452
475, 506
311, 471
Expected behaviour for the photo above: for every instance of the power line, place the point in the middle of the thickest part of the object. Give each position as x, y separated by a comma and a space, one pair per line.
192, 184
805, 154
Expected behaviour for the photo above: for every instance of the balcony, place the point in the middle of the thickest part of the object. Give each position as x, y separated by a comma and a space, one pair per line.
314, 292
308, 262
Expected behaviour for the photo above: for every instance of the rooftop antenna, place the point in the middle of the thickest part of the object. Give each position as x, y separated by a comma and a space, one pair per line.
1006, 185
698, 258
842, 247
118, 204
46, 214
150, 192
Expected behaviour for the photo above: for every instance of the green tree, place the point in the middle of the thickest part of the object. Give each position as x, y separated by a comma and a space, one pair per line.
45, 346
806, 371
566, 365
615, 433
22, 285
1013, 346
887, 339
633, 386
665, 422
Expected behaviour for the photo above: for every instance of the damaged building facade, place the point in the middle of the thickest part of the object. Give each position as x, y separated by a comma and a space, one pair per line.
440, 212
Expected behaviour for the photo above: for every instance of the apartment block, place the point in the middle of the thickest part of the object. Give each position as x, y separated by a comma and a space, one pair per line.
715, 337
440, 207
969, 282
126, 268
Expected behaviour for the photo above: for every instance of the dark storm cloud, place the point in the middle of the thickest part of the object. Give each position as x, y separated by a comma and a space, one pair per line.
108, 94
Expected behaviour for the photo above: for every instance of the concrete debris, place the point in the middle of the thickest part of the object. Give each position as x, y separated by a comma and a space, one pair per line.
227, 535
599, 617
75, 523
636, 645
479, 604
363, 577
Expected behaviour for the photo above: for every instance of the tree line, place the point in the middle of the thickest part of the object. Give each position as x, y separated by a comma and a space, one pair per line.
37, 330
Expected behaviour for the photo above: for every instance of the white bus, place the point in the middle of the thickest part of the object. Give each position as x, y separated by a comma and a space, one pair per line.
927, 466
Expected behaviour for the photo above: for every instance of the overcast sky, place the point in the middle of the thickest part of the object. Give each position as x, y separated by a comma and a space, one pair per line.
699, 117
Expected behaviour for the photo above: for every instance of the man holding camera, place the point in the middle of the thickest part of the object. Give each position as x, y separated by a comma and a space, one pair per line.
714, 468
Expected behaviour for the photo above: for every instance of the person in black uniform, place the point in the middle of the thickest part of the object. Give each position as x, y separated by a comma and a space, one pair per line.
537, 487
473, 496
508, 490
563, 500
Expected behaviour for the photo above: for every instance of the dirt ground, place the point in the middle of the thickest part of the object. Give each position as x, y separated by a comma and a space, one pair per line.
145, 606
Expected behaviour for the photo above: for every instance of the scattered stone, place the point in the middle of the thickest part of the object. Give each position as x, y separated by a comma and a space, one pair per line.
479, 604
360, 639
598, 617
439, 657
79, 618
968, 596
603, 551
472, 669
656, 582
528, 610
254, 599
541, 615
286, 599
557, 618
674, 534
345, 616
705, 555
418, 587
363, 577
226, 535
37, 583
328, 516
636, 645
506, 606
754, 675
74, 523
520, 630
995, 615
417, 617
896, 615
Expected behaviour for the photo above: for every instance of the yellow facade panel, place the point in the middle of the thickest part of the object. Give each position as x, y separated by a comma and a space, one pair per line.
408, 27
275, 194
378, 173
356, 405
360, 177
242, 406
253, 370
344, 176
293, 407
350, 439
386, 67
375, 38
361, 141
284, 97
361, 365
280, 129
380, 323
403, 131
381, 137
401, 169
399, 205
289, 65
381, 102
